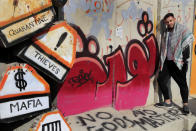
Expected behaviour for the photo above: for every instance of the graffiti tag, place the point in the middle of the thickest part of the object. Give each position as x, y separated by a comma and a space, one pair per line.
81, 79
143, 119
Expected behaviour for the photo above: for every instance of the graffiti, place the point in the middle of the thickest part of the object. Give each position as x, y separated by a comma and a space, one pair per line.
52, 51
81, 79
133, 12
93, 9
103, 23
51, 126
23, 20
181, 17
51, 121
110, 85
70, 8
19, 106
64, 36
184, 13
142, 118
20, 82
88, 62
97, 6
15, 4
22, 92
44, 60
184, 2
23, 107
28, 26
144, 26
61, 39
187, 18
141, 67
110, 48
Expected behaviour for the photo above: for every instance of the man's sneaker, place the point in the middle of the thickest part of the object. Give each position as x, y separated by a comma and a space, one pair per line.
185, 109
164, 104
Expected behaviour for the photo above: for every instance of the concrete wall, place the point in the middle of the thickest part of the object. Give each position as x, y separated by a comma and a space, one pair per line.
184, 13
112, 26
117, 53
107, 31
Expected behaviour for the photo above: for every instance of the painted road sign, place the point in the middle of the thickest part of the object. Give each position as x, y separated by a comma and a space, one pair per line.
22, 92
59, 42
53, 51
53, 121
21, 19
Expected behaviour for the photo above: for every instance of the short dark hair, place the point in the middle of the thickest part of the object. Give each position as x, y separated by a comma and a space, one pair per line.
168, 15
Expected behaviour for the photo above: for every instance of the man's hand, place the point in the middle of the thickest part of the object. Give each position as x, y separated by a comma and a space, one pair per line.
186, 55
185, 68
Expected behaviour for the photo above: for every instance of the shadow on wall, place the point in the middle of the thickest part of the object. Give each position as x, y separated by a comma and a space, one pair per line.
194, 127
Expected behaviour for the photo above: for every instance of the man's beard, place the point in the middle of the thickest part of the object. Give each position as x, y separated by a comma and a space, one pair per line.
170, 28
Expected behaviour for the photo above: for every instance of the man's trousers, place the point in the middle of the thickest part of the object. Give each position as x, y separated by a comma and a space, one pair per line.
171, 70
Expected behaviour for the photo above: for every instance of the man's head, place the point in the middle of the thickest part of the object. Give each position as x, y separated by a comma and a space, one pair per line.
169, 20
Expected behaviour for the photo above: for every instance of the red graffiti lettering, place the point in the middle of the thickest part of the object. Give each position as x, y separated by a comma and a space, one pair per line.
78, 95
116, 72
141, 66
89, 85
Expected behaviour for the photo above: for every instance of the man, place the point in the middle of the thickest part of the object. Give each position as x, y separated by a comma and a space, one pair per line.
174, 53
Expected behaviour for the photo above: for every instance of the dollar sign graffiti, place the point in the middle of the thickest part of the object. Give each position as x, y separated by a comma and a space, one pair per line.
20, 82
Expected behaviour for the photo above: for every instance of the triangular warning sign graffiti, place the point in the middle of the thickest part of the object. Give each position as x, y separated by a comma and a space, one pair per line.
60, 42
53, 121
22, 80
22, 92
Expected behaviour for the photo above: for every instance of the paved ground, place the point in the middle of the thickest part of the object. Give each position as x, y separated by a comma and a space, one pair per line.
143, 118
147, 118
192, 105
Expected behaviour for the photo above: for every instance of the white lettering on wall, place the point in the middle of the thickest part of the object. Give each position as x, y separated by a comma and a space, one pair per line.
19, 107
42, 60
27, 26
